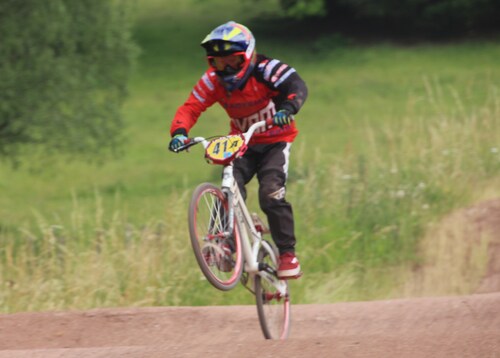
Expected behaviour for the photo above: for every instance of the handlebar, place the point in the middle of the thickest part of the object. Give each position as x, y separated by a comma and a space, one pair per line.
246, 135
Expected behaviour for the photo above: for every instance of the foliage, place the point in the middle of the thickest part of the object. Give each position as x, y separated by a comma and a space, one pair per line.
64, 66
303, 8
404, 16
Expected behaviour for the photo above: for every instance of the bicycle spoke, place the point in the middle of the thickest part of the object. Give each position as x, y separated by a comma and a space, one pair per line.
220, 258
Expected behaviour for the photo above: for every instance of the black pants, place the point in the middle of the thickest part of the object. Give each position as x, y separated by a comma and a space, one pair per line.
270, 163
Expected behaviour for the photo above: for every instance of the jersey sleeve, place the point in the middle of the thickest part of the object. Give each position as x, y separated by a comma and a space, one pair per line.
201, 97
279, 76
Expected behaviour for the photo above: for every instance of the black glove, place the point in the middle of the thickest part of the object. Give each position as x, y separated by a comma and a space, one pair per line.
282, 118
177, 142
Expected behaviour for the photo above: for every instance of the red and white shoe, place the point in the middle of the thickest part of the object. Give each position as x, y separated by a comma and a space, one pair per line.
289, 266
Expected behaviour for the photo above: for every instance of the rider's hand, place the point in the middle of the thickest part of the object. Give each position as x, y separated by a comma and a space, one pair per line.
282, 118
176, 142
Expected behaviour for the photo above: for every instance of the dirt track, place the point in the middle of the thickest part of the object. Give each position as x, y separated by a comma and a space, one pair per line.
466, 326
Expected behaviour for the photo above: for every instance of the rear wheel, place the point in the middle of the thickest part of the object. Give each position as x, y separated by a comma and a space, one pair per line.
273, 305
217, 252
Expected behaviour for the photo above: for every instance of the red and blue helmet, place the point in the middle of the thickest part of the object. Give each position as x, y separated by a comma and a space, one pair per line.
230, 51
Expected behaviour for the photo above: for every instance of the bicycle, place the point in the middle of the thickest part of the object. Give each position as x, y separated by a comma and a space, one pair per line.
228, 241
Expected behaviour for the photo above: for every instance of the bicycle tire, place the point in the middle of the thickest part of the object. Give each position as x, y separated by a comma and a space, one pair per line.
273, 309
207, 218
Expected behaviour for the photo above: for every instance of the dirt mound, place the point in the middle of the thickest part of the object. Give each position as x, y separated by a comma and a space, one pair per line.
484, 219
459, 255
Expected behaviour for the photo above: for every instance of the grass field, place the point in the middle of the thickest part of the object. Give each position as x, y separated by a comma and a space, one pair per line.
391, 138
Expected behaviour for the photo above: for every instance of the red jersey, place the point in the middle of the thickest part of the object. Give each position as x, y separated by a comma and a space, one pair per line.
272, 86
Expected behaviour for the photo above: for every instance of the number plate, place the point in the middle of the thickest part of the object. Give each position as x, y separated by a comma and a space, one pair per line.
223, 150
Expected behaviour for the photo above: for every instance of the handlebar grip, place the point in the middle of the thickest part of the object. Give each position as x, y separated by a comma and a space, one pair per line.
189, 142
269, 121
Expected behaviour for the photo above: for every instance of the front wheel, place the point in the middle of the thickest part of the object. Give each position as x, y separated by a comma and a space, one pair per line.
272, 296
218, 252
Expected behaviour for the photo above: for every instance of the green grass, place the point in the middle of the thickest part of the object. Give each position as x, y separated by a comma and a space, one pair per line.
391, 138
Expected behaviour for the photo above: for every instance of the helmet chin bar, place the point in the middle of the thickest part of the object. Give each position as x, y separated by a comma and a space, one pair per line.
233, 81
229, 82
228, 71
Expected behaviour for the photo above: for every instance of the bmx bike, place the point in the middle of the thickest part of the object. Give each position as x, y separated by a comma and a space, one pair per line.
228, 241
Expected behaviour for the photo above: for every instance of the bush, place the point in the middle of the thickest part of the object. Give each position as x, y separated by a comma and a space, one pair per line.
64, 66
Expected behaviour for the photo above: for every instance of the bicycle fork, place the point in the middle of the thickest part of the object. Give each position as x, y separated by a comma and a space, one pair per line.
227, 184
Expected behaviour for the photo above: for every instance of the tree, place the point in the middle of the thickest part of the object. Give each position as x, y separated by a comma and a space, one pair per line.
448, 17
64, 66
303, 8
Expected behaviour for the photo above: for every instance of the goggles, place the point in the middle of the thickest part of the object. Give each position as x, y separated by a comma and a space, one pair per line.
229, 64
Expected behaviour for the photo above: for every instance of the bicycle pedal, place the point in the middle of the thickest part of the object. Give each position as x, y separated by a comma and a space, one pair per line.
295, 277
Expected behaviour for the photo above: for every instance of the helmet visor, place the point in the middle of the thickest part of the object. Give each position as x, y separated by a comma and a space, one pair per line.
230, 64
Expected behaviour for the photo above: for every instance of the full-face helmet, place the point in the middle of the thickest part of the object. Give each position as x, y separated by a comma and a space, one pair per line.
231, 53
